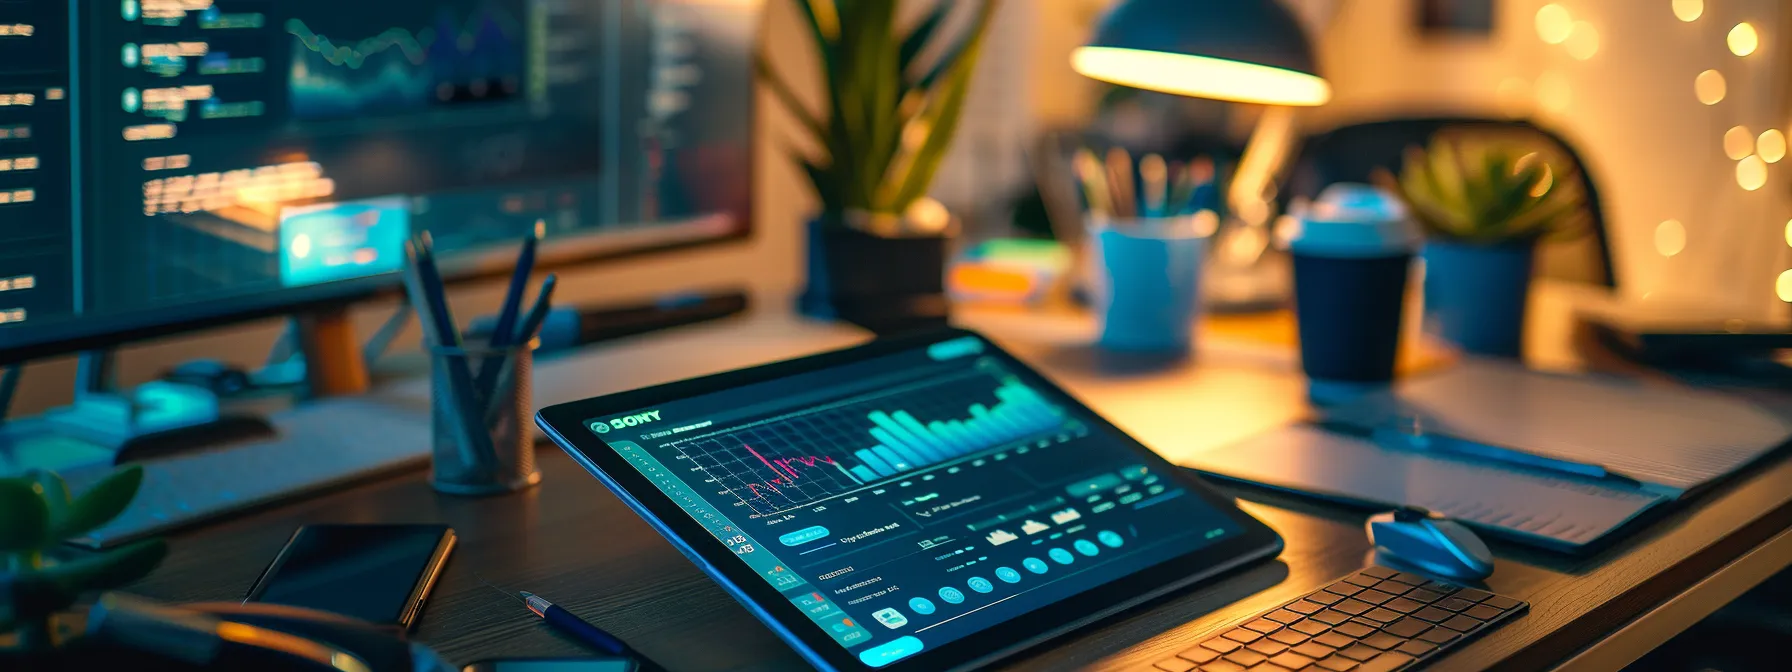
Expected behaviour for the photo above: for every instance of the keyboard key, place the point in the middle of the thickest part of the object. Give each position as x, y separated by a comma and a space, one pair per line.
1361, 579
1424, 595
1379, 572
1334, 640
1175, 665
1315, 650
1353, 606
1383, 641
1441, 587
1222, 645
1344, 588
1353, 629
1416, 648
1331, 617
1289, 636
1338, 664
1453, 604
1309, 627
1242, 636
1325, 597
1306, 608
1462, 623
1432, 614
1501, 602
1473, 595
1483, 612
1373, 596
1382, 616
1439, 635
1410, 579
1285, 616
1407, 627
1246, 657
1393, 587
1199, 654
1268, 648
1402, 605
1387, 662
1360, 652
1292, 661
1222, 665
1264, 626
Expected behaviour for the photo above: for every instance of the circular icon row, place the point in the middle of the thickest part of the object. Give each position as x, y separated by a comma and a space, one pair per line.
1108, 538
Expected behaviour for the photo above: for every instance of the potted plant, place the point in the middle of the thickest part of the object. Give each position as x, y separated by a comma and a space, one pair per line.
1484, 205
36, 583
893, 99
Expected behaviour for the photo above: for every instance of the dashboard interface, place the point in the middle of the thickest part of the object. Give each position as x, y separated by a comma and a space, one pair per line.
162, 157
914, 499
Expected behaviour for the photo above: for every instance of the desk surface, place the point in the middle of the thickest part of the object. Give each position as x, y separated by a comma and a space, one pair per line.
573, 542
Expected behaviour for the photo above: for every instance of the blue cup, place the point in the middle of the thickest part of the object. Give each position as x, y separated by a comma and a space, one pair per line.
1146, 282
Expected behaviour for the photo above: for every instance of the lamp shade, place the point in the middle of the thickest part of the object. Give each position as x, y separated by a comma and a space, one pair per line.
1239, 50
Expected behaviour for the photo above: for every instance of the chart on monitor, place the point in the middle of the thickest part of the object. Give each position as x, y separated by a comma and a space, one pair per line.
346, 64
906, 431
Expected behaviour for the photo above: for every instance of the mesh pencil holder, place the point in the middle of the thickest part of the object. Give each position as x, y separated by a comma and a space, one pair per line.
479, 416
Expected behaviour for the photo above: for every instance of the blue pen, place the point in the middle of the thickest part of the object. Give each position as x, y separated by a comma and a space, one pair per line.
513, 302
576, 627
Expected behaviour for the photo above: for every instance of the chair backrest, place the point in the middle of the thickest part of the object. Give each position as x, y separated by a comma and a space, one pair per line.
1353, 153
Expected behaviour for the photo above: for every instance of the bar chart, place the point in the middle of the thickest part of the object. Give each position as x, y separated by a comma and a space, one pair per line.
813, 454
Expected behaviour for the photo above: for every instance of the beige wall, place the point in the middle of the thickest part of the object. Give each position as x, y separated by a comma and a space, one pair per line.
768, 264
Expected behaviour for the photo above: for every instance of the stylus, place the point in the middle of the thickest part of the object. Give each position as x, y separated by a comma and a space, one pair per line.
576, 627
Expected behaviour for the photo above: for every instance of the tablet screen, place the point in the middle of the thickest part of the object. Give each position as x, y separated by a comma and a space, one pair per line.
914, 499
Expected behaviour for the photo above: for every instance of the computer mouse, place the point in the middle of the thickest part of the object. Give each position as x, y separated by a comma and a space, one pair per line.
1431, 544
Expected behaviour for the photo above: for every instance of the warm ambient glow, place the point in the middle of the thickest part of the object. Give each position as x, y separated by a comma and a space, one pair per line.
1743, 39
1751, 173
1200, 76
1784, 286
1789, 233
1689, 10
1771, 146
1670, 237
1553, 91
1709, 87
1583, 41
1554, 23
1738, 143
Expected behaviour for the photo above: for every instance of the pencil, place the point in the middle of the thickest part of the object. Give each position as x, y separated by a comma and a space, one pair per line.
1154, 176
1095, 185
1120, 180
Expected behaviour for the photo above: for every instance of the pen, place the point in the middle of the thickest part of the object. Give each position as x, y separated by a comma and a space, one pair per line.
513, 303
593, 636
1409, 435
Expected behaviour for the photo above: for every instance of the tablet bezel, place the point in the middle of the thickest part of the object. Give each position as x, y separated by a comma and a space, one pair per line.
564, 423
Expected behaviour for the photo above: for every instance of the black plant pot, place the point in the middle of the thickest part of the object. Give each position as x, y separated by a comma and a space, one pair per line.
886, 285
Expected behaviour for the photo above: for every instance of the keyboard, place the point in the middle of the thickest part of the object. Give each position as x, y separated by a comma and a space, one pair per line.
322, 444
1376, 620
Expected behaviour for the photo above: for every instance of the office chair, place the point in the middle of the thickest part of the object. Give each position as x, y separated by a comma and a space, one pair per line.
1353, 153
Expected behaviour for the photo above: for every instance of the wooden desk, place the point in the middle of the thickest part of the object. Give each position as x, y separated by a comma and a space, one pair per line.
573, 542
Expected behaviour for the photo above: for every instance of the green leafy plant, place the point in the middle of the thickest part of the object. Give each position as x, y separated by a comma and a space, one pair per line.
37, 512
1488, 193
893, 102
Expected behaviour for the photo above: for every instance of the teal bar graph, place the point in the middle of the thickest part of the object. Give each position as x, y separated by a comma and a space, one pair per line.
905, 443
865, 474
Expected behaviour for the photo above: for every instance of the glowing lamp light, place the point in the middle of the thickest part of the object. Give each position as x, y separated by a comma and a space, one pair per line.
1689, 10
1743, 39
1251, 51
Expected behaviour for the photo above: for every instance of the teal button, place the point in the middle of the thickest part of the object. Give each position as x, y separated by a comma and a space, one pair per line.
955, 348
879, 656
803, 536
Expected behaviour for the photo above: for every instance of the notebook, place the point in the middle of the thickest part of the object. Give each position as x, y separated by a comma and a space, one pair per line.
1659, 443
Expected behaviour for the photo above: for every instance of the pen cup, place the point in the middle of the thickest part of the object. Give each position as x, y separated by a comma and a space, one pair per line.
1145, 282
481, 441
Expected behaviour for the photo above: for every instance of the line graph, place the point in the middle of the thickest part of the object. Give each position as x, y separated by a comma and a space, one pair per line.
452, 60
813, 454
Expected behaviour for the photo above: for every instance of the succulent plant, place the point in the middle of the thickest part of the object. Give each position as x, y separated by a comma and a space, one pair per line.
1488, 192
37, 512
893, 101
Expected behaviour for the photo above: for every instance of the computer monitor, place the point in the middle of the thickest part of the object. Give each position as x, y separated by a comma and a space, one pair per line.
170, 164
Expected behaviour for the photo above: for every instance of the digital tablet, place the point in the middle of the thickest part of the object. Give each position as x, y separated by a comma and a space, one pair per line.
921, 503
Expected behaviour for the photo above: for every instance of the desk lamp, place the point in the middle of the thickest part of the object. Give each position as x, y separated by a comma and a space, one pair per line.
1247, 51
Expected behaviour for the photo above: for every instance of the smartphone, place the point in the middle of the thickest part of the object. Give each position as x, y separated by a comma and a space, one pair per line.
377, 573
553, 665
